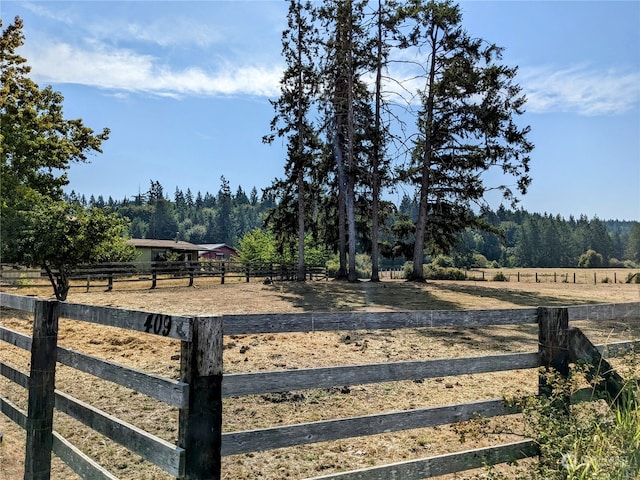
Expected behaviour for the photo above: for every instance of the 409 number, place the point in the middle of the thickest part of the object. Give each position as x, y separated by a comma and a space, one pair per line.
158, 324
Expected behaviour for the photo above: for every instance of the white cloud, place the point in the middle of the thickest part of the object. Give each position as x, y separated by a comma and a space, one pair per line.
125, 70
580, 90
163, 32
58, 15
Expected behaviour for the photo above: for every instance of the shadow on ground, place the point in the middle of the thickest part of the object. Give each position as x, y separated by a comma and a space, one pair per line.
516, 297
402, 295
362, 296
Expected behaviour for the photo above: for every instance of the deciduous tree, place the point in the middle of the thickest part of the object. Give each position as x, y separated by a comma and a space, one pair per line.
59, 236
37, 143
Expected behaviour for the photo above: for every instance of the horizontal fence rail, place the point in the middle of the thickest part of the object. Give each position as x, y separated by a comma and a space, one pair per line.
242, 324
199, 393
442, 464
323, 431
106, 275
237, 384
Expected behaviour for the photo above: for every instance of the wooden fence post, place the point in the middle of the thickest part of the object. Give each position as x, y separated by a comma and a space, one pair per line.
582, 350
200, 425
553, 344
192, 270
44, 349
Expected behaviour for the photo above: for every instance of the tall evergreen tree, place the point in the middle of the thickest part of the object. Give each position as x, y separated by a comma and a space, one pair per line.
298, 89
465, 124
385, 18
224, 224
346, 96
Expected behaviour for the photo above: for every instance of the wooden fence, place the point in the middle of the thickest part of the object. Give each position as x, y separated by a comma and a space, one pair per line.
202, 387
106, 275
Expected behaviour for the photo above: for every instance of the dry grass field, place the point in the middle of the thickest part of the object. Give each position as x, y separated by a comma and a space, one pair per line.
297, 350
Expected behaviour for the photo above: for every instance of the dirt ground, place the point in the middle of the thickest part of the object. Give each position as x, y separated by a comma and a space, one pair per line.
298, 350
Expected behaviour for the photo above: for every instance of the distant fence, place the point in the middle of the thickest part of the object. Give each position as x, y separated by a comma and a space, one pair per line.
555, 275
106, 275
200, 391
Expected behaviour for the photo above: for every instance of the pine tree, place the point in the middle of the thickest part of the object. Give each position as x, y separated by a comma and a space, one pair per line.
298, 89
347, 103
465, 124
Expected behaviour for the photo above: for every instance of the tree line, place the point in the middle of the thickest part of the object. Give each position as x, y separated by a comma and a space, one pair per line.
509, 237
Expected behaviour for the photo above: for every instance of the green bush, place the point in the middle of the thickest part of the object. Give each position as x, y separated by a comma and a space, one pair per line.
500, 277
480, 261
437, 273
443, 261
593, 439
590, 259
333, 264
615, 263
407, 269
363, 265
24, 281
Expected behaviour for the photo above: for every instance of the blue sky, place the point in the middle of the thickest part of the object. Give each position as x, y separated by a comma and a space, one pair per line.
185, 88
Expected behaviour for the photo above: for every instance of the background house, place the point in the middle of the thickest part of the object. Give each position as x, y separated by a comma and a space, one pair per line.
159, 250
217, 251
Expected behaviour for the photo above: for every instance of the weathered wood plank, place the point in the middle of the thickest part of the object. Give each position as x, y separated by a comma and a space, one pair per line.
78, 461
328, 430
18, 302
17, 339
238, 384
318, 321
200, 425
37, 464
618, 349
606, 311
172, 326
582, 350
13, 412
441, 465
553, 344
160, 452
169, 391
15, 375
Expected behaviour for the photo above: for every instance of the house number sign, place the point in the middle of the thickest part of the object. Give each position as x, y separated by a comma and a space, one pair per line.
158, 324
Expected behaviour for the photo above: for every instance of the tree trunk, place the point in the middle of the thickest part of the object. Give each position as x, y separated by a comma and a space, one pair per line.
377, 151
59, 282
342, 232
425, 180
350, 162
302, 274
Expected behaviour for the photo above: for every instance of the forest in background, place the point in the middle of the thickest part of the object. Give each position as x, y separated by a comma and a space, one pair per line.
509, 238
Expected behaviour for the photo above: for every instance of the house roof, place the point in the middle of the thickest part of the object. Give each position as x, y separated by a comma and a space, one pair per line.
215, 246
169, 244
